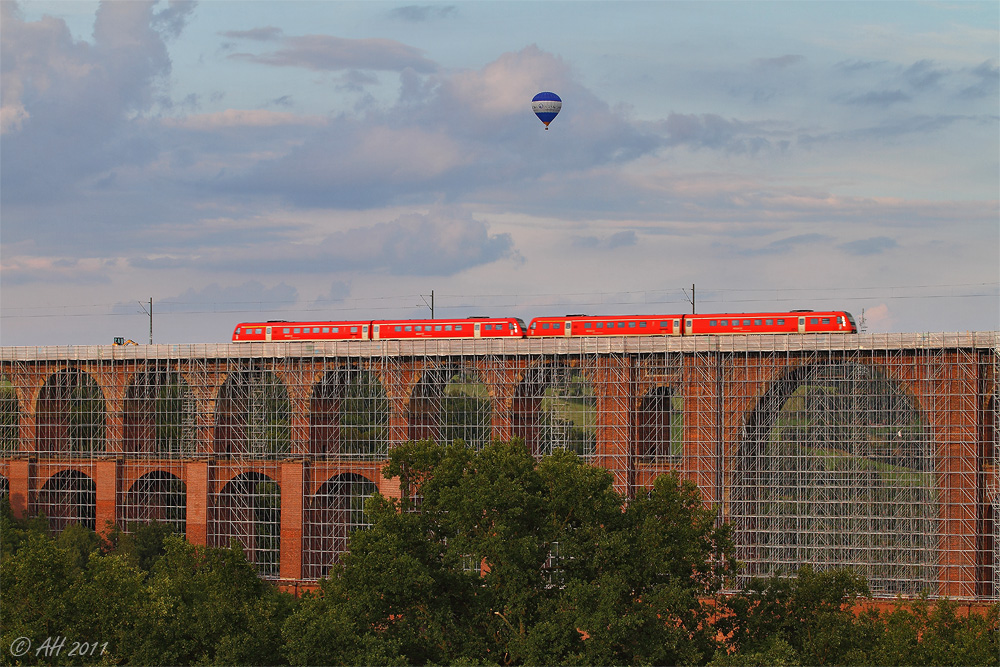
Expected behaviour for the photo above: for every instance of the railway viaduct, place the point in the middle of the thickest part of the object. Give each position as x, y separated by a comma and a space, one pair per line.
872, 451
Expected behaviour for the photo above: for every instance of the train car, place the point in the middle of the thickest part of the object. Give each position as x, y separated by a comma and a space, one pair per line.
719, 324
610, 325
280, 331
471, 327
802, 321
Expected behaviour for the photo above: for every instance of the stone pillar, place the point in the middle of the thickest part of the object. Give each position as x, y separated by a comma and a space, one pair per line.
106, 481
292, 498
196, 479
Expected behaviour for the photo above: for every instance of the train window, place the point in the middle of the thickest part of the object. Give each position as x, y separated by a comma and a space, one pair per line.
437, 327
315, 329
408, 328
588, 325
447, 327
631, 325
713, 323
420, 327
258, 331
642, 325
756, 323
399, 327
458, 327
840, 320
297, 330
336, 330
813, 320
769, 323
826, 320
557, 325
286, 330
326, 329
664, 325
545, 325
600, 325
781, 322
621, 325
354, 330
724, 323
746, 323
489, 327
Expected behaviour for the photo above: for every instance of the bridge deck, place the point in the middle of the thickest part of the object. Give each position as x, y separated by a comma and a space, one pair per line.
517, 346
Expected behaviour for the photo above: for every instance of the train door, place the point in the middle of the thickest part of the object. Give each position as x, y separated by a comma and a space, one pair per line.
364, 331
676, 329
476, 330
568, 328
267, 334
802, 325
375, 335
688, 326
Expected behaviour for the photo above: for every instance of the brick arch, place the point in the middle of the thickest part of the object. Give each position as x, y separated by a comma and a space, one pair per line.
158, 414
332, 514
349, 414
70, 414
247, 512
451, 401
253, 414
10, 416
156, 496
551, 405
68, 496
853, 486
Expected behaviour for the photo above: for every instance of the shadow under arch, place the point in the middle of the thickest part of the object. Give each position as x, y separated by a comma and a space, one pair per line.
247, 512
451, 402
554, 407
836, 468
349, 415
156, 496
334, 512
70, 415
159, 414
253, 416
67, 497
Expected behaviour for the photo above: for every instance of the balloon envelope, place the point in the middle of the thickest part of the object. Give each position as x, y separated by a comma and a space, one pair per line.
546, 106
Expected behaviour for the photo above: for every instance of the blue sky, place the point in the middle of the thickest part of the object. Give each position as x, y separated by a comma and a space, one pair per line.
327, 160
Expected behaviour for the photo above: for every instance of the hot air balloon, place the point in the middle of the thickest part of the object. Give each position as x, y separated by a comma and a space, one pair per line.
546, 106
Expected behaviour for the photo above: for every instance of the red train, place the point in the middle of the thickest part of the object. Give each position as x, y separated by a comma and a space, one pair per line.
722, 324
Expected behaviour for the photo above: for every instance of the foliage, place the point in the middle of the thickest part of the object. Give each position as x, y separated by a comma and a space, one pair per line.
492, 557
147, 597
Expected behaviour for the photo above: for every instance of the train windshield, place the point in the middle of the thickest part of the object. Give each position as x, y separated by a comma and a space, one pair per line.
850, 318
520, 323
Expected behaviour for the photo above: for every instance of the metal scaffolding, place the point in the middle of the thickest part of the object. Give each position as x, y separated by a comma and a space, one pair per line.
874, 452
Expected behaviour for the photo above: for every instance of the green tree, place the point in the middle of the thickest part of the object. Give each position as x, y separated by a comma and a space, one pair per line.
807, 619
493, 558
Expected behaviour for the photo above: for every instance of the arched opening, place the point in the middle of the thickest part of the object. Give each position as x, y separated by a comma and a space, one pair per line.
349, 415
555, 407
253, 416
837, 469
247, 512
70, 415
68, 497
659, 427
159, 414
451, 403
10, 417
156, 496
334, 512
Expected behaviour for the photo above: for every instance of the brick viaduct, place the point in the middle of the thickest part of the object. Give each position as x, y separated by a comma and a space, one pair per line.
731, 391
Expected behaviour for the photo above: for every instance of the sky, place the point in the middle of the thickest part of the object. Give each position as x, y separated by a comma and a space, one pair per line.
226, 161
